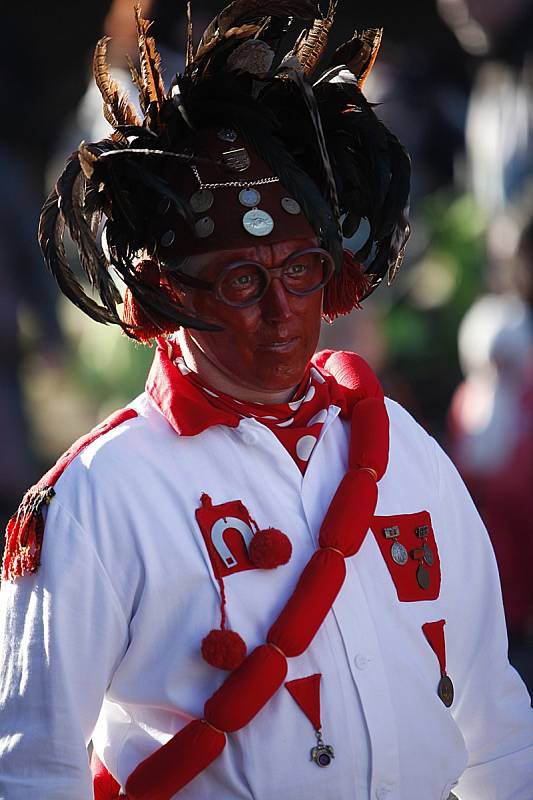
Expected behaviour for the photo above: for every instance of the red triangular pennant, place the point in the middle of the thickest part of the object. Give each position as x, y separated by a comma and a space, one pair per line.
434, 633
306, 692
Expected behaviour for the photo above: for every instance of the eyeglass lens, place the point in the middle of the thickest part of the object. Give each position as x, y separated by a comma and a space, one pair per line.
301, 274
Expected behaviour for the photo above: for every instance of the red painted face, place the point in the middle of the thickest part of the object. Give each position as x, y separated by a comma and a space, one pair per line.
264, 347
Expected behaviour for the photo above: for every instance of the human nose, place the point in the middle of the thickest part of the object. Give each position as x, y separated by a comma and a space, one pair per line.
275, 304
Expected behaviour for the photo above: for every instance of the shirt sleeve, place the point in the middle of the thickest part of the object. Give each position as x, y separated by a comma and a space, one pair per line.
63, 633
492, 706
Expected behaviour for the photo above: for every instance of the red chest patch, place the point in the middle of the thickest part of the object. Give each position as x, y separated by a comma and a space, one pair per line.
227, 530
408, 545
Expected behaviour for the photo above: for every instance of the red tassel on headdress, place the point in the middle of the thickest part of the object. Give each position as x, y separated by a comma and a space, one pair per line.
344, 292
141, 326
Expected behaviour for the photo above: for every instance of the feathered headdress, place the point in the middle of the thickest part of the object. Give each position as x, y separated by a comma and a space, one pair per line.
309, 122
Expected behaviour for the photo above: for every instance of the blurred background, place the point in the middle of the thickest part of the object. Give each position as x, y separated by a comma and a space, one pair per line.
451, 338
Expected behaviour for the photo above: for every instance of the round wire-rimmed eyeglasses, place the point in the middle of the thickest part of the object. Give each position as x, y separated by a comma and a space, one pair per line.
244, 283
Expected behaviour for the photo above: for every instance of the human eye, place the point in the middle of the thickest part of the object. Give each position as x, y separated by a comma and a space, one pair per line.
296, 270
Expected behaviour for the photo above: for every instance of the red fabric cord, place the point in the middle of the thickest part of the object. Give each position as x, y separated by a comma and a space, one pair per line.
369, 447
306, 693
434, 633
346, 523
244, 693
296, 626
171, 767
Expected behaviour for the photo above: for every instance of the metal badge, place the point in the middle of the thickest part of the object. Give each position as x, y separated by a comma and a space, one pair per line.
249, 197
167, 238
429, 558
322, 754
227, 135
422, 576
258, 222
163, 206
445, 690
204, 227
201, 201
391, 533
399, 554
237, 160
422, 531
290, 205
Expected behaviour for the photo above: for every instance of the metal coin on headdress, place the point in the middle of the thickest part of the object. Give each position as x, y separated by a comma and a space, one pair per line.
167, 238
258, 222
237, 160
163, 205
290, 205
201, 201
249, 197
429, 558
422, 576
399, 553
204, 227
445, 690
227, 135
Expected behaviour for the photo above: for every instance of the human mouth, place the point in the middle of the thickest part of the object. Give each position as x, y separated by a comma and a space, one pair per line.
280, 345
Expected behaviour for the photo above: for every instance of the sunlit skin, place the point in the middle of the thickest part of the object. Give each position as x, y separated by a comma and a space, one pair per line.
263, 350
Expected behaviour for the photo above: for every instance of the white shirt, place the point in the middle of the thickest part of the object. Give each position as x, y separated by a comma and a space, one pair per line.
104, 640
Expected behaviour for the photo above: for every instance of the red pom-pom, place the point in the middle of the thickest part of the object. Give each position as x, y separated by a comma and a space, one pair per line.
223, 649
270, 549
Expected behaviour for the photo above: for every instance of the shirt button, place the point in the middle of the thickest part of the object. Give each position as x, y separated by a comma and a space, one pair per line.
361, 661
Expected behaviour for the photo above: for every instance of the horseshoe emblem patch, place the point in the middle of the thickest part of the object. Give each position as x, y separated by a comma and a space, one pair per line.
227, 530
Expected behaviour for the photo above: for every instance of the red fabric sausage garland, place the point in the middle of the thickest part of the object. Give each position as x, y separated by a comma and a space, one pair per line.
249, 687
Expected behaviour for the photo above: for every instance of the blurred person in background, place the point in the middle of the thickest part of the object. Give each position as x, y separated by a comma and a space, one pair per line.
223, 213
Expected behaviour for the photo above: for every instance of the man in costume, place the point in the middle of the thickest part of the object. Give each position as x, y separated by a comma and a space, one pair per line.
357, 645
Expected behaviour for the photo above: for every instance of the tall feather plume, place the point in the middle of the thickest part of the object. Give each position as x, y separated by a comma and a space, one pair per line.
310, 45
117, 108
137, 80
359, 53
150, 61
189, 52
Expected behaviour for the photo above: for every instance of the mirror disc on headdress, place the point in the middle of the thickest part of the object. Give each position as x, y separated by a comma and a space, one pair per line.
249, 197
201, 201
290, 205
258, 222
204, 227
168, 238
227, 135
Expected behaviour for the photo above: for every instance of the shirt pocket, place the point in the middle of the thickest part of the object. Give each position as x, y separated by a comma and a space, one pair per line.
407, 544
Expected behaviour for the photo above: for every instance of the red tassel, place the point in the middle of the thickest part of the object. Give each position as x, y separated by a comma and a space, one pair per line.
24, 535
140, 325
171, 767
344, 291
223, 649
269, 549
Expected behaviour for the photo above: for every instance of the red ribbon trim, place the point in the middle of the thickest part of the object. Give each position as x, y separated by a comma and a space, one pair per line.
306, 693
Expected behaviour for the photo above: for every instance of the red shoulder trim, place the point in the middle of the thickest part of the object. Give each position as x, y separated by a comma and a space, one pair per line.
24, 532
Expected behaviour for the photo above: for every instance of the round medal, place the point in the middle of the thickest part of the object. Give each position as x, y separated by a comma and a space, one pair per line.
249, 197
167, 238
201, 201
290, 205
322, 755
445, 690
258, 222
422, 576
429, 558
399, 553
204, 227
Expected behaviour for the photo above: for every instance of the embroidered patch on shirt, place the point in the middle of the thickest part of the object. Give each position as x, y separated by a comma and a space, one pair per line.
227, 530
408, 545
